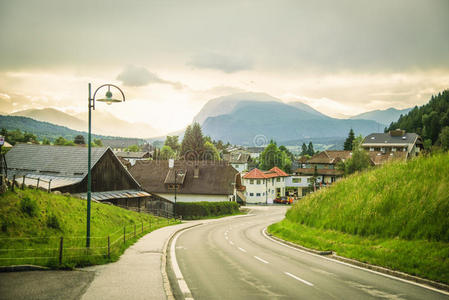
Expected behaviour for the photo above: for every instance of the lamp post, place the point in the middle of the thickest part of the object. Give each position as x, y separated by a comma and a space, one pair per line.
91, 104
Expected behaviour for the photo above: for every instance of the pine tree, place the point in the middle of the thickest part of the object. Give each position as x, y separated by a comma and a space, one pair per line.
192, 147
303, 149
310, 150
349, 140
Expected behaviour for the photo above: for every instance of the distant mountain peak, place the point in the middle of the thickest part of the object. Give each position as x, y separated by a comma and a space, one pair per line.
385, 116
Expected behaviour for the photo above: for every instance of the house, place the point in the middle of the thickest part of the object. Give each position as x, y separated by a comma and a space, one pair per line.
322, 166
395, 144
239, 160
195, 180
64, 169
132, 157
264, 187
122, 144
254, 152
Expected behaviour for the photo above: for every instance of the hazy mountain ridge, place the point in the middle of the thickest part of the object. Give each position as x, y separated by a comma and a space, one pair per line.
385, 116
103, 123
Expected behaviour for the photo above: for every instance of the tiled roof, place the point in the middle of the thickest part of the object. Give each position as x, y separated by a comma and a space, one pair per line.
214, 178
387, 138
236, 157
121, 143
329, 157
311, 171
379, 158
127, 154
66, 161
258, 174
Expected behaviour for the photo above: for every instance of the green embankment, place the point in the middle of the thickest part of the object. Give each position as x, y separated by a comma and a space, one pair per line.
205, 210
396, 216
33, 222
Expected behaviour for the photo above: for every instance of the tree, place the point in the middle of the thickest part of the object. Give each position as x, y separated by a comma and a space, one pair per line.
349, 140
304, 149
172, 142
133, 148
270, 156
359, 160
60, 141
444, 138
79, 140
310, 150
166, 153
192, 146
210, 152
98, 142
45, 141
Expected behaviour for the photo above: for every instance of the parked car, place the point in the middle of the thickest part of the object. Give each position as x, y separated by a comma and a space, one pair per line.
281, 200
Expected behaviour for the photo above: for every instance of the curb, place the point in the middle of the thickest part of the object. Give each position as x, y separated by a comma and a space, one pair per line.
166, 282
19, 268
383, 270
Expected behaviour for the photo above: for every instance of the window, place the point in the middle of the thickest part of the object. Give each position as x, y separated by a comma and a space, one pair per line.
393, 149
278, 179
272, 180
258, 194
258, 181
272, 192
251, 194
251, 181
296, 180
371, 148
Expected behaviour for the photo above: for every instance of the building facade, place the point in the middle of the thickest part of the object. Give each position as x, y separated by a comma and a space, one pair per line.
263, 187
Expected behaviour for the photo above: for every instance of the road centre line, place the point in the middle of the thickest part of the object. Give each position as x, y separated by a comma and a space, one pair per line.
241, 249
231, 242
262, 260
299, 279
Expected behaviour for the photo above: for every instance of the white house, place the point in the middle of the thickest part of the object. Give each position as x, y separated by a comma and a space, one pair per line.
264, 187
239, 160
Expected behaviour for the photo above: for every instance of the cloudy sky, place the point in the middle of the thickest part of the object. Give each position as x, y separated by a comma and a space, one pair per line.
170, 57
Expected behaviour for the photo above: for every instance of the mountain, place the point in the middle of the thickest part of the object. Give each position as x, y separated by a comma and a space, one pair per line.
53, 116
307, 108
226, 104
103, 123
255, 123
382, 116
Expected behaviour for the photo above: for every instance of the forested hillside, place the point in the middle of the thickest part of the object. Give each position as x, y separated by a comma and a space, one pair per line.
428, 120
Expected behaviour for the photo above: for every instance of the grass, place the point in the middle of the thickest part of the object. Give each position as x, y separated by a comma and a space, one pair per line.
32, 223
396, 216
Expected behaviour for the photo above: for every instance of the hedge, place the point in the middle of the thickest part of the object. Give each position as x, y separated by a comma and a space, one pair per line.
198, 210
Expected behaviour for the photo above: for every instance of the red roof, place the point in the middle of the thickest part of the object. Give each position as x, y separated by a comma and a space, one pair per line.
258, 174
254, 174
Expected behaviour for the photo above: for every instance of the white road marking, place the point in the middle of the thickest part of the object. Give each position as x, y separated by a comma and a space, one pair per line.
262, 260
354, 266
299, 279
226, 237
241, 249
231, 242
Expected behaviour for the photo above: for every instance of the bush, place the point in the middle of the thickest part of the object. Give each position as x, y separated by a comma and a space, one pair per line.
198, 210
28, 206
53, 222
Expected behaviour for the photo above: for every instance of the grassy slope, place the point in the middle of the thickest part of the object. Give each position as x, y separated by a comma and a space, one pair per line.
17, 227
396, 216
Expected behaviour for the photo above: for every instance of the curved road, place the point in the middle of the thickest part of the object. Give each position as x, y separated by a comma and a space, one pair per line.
232, 259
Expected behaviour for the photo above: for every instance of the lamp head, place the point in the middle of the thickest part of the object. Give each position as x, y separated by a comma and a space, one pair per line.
108, 98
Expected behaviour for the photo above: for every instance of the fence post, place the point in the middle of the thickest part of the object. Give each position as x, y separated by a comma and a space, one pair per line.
124, 234
61, 245
142, 227
134, 230
49, 188
37, 186
23, 182
109, 247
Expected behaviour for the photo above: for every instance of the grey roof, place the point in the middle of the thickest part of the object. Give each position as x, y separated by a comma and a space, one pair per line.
128, 154
55, 181
102, 196
236, 157
121, 143
386, 138
64, 161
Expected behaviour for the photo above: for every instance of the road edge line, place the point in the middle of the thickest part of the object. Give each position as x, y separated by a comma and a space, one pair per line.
404, 277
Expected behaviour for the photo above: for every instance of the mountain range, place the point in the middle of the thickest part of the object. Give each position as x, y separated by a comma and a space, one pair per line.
103, 123
385, 116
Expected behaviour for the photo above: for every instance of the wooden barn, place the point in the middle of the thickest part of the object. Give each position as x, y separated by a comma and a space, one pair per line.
64, 169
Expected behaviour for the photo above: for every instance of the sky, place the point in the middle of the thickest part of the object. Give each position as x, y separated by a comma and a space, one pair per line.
171, 57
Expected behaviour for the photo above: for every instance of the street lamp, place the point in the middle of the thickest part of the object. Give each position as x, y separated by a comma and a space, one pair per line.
91, 103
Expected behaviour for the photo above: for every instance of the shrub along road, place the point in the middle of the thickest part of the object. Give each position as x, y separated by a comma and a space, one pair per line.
232, 259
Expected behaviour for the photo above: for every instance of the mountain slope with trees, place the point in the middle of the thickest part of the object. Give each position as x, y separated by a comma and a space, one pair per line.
430, 121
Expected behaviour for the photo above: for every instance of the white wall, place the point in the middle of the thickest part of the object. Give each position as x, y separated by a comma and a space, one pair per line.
268, 186
240, 167
194, 197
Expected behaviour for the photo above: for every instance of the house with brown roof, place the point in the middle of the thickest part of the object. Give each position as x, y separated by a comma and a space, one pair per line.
323, 166
393, 145
64, 169
264, 186
193, 181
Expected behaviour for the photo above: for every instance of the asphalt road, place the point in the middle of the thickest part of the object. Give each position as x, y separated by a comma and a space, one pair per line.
232, 259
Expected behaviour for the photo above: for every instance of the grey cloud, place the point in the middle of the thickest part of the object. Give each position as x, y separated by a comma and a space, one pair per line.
227, 64
140, 76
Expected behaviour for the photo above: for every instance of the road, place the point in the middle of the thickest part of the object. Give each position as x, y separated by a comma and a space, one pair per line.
232, 259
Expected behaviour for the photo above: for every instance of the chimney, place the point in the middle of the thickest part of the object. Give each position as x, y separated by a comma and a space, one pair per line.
196, 172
